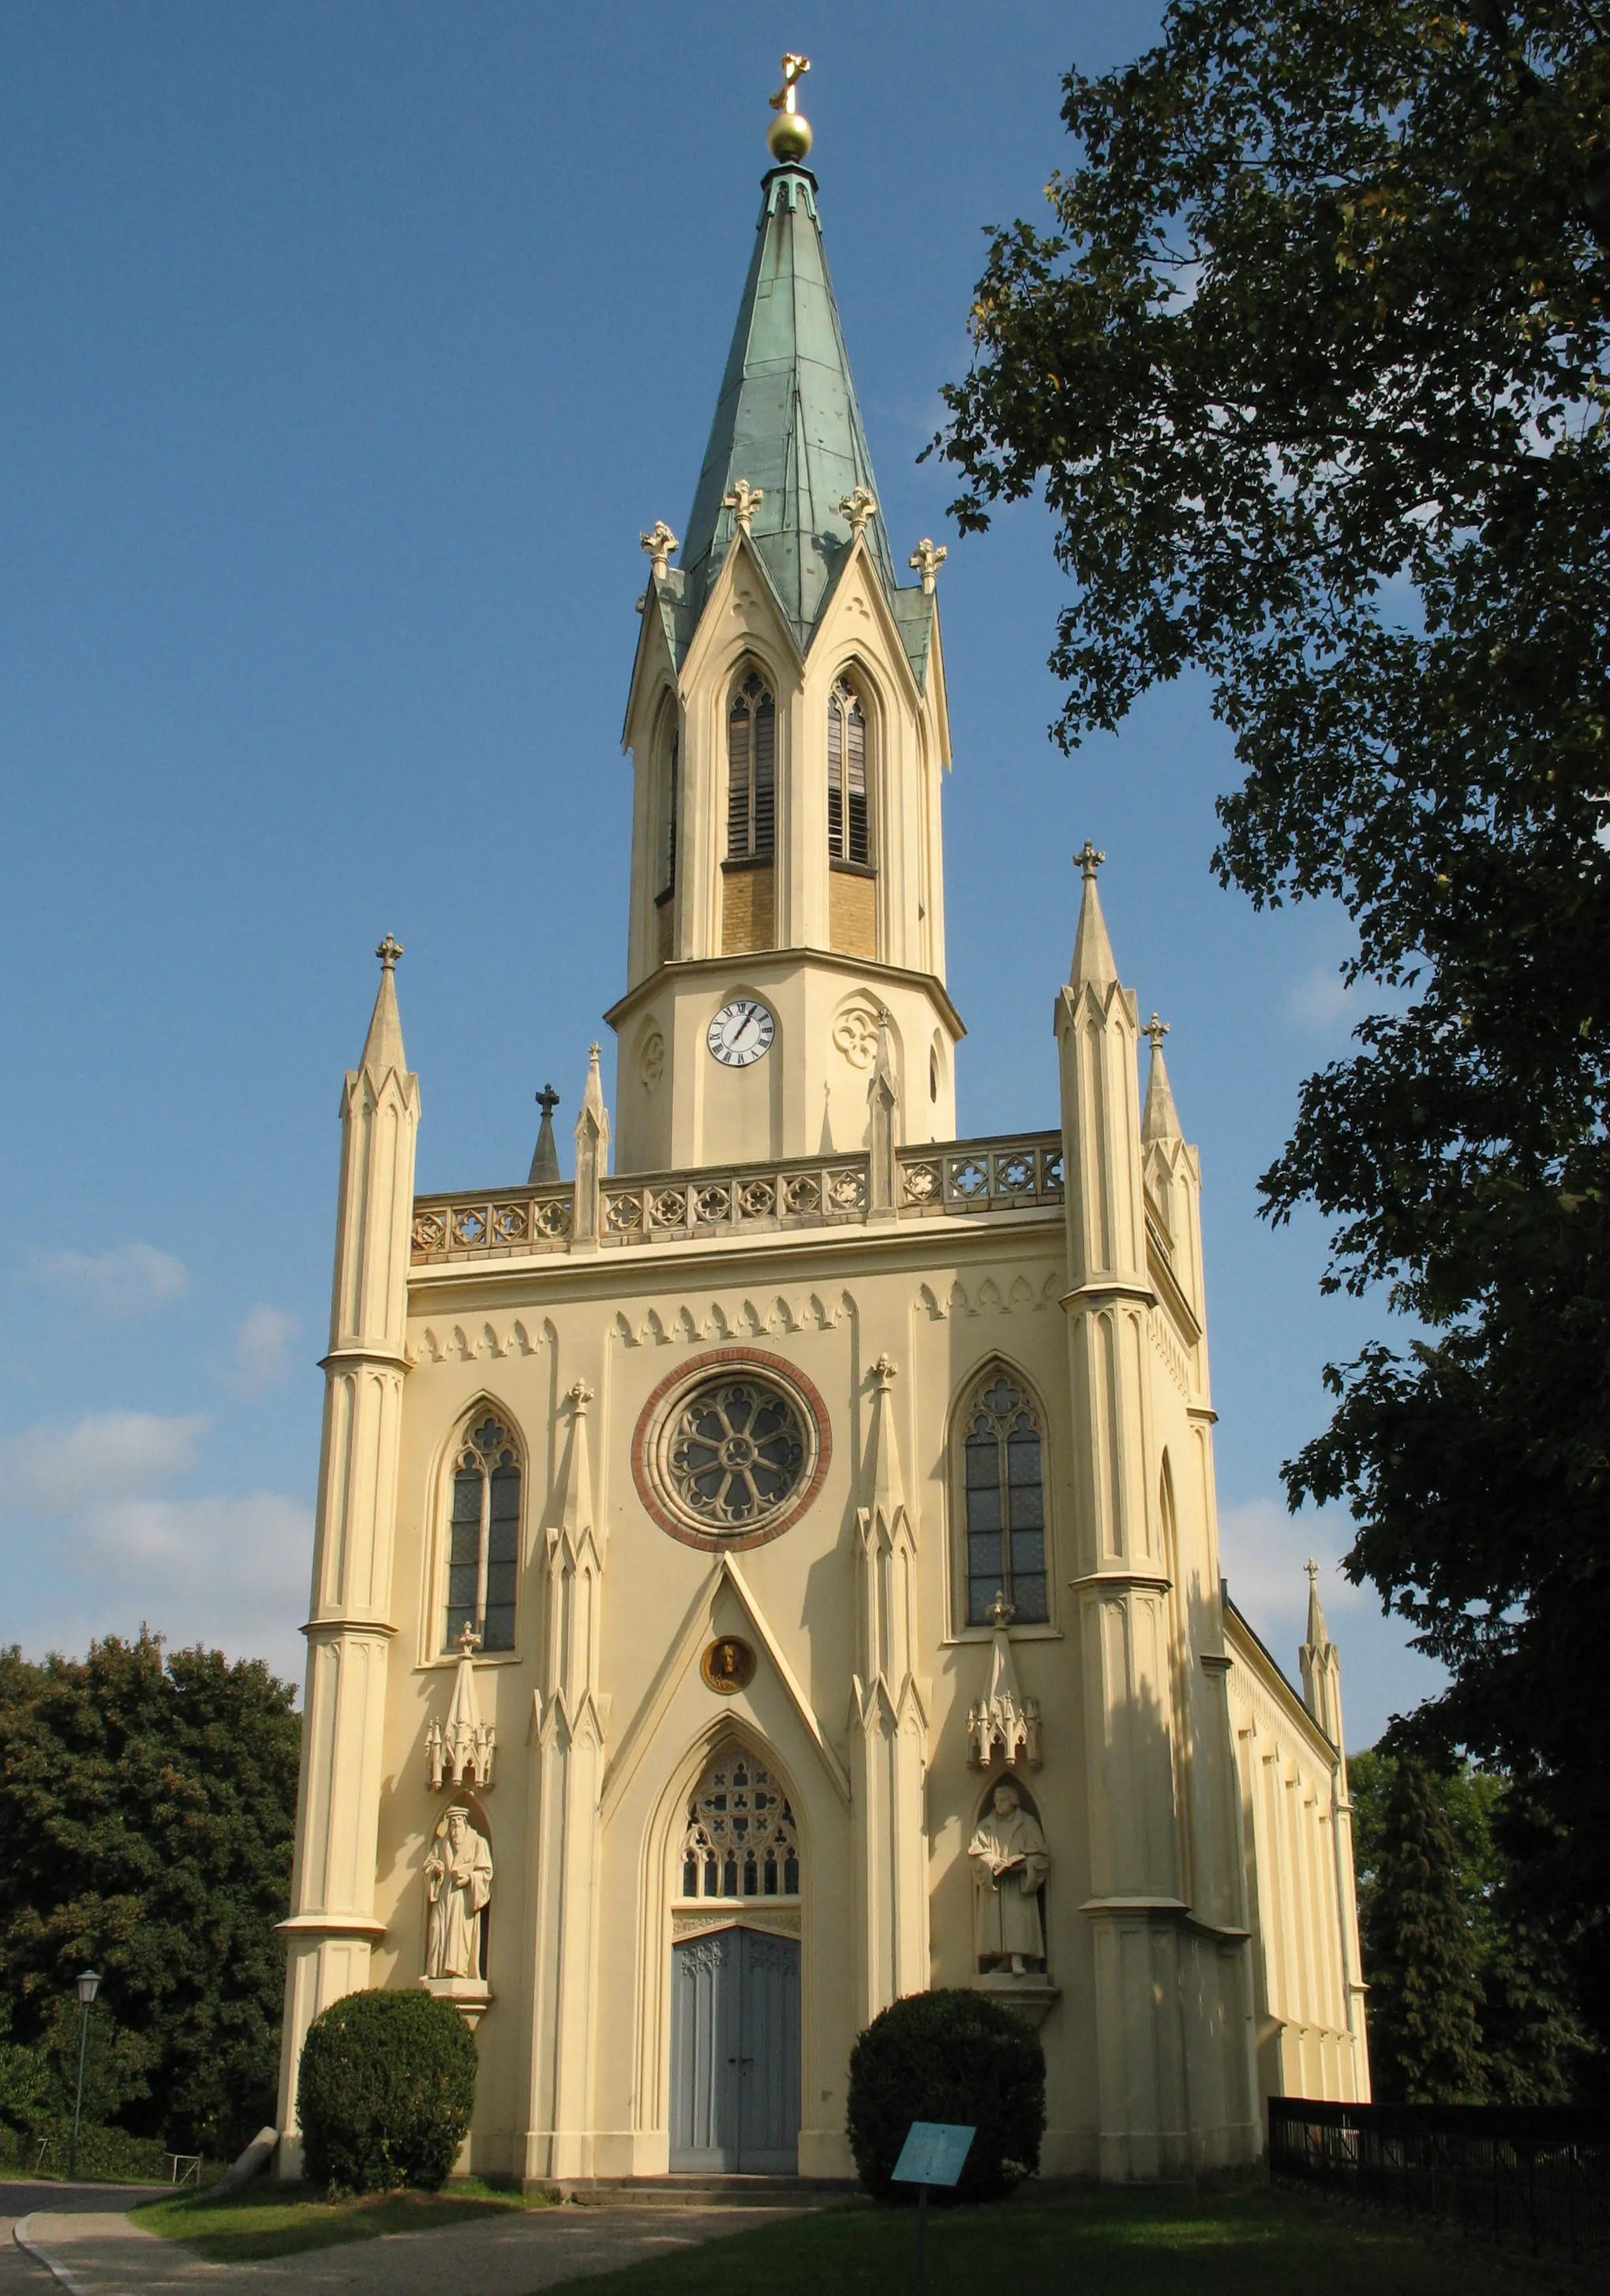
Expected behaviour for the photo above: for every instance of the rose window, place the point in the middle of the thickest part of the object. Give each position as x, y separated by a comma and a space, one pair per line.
735, 1452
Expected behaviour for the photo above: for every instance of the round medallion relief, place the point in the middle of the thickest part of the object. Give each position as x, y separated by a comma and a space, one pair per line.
730, 1450
728, 1666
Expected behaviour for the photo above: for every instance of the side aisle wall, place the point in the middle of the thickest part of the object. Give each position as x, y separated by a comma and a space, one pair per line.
1309, 1997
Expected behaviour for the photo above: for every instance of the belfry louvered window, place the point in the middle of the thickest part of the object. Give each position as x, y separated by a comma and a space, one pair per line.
752, 772
483, 1543
1003, 1477
668, 835
848, 835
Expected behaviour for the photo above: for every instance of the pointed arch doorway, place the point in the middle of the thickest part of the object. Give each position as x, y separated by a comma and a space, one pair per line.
735, 2064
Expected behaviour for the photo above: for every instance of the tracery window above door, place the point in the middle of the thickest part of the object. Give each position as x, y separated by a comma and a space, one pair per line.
751, 771
849, 829
483, 1537
741, 1840
1003, 1487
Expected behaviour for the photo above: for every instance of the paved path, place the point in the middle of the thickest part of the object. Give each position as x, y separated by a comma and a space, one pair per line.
19, 2272
102, 2252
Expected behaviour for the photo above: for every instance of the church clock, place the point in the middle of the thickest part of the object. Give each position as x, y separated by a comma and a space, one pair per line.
741, 1033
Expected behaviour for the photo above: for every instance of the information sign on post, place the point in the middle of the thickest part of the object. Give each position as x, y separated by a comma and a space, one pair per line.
933, 2153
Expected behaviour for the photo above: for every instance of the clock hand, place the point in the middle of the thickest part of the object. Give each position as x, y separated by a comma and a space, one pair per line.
748, 1021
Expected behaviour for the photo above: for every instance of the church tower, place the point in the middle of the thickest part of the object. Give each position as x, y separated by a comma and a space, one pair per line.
787, 727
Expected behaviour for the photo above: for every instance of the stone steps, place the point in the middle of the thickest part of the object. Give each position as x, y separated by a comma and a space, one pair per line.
694, 2192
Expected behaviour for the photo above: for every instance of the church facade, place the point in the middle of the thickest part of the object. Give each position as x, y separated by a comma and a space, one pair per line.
776, 1570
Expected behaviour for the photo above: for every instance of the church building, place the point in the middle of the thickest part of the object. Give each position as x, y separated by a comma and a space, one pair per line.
776, 1570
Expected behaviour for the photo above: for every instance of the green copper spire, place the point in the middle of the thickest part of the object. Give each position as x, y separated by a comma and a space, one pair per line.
786, 422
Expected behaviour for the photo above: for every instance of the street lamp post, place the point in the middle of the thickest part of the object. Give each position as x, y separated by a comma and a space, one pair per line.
89, 1985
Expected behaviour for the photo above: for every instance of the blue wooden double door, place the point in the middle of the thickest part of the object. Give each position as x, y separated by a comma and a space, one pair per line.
734, 2102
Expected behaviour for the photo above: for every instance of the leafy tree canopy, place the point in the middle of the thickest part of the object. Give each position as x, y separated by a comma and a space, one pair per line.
147, 1809
1425, 2041
1532, 2043
1311, 369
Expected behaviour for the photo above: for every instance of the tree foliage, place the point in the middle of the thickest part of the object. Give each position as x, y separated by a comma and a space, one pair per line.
1532, 2043
1426, 1996
1311, 369
147, 1809
385, 2091
952, 2055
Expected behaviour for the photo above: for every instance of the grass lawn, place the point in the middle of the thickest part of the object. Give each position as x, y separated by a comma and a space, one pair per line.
1241, 2241
268, 2221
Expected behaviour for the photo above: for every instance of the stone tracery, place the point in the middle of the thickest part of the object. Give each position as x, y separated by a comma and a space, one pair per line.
741, 1840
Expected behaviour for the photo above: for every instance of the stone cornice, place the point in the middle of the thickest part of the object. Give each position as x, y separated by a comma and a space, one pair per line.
761, 964
333, 1926
616, 1275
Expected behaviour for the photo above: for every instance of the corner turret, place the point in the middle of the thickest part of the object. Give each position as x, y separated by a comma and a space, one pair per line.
333, 1929
1321, 1666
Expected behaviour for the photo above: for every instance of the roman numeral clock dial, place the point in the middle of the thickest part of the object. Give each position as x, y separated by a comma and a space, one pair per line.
741, 1033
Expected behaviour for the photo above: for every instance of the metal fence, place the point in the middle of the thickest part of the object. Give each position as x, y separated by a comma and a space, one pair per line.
1538, 2176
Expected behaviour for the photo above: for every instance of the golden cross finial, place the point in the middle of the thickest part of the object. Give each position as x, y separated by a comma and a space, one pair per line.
1157, 1030
926, 561
743, 501
389, 952
659, 545
788, 138
794, 68
858, 508
1088, 860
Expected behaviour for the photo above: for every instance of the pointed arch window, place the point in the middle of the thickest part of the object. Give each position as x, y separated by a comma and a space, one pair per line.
751, 771
741, 1840
483, 1535
848, 819
1004, 1500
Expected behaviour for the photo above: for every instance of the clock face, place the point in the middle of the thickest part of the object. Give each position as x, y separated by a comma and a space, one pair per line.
741, 1033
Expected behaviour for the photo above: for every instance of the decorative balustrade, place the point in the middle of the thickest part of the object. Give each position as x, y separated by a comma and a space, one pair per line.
982, 1175
661, 1210
455, 1227
968, 1176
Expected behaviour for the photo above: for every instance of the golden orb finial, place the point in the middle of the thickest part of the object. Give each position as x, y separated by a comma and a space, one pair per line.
788, 138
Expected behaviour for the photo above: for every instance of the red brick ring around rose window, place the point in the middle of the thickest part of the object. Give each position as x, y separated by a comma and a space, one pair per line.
671, 1391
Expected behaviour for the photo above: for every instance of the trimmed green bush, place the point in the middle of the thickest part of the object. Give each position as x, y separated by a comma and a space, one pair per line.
105, 2155
951, 2056
385, 2093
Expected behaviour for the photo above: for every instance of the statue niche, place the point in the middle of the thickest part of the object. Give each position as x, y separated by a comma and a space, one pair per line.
1010, 1862
458, 1892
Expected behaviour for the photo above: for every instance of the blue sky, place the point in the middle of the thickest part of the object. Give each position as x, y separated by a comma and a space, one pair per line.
348, 351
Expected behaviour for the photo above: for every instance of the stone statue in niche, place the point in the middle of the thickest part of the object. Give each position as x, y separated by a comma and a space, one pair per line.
1010, 1862
458, 1885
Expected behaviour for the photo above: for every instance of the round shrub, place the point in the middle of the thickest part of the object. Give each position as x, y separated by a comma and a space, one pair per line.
951, 2056
385, 2093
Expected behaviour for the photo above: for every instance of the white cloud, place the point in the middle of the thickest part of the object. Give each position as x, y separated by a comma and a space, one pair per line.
50, 1470
1262, 1552
1321, 998
121, 1280
91, 1543
218, 1567
262, 1350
